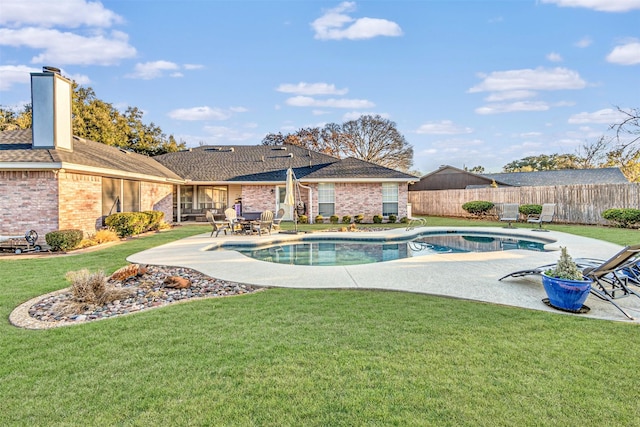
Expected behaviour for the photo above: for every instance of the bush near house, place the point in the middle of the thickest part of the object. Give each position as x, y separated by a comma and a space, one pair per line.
393, 218
377, 219
303, 219
346, 219
530, 209
154, 219
358, 218
334, 219
319, 219
478, 207
63, 240
623, 218
127, 223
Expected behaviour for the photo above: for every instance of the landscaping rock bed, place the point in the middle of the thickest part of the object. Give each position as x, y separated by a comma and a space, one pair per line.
149, 290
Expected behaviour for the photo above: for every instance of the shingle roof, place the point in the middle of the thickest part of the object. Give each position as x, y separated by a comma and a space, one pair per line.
15, 146
561, 177
255, 163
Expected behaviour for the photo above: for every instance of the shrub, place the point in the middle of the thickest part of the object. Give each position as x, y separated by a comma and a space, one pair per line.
478, 207
334, 219
319, 219
303, 219
104, 236
346, 219
154, 219
623, 218
64, 240
377, 219
530, 209
393, 218
358, 218
90, 290
404, 220
127, 223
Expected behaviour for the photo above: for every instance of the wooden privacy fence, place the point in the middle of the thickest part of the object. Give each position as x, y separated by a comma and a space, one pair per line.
575, 204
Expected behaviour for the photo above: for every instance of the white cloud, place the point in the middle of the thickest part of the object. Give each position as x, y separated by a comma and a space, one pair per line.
306, 101
219, 134
554, 57
238, 109
81, 79
199, 113
303, 88
444, 127
15, 74
355, 115
69, 48
604, 116
511, 94
599, 5
530, 79
584, 42
193, 66
626, 54
512, 107
63, 13
335, 24
152, 70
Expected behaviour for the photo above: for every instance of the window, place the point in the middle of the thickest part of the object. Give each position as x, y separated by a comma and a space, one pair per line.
389, 198
212, 198
120, 195
186, 198
326, 200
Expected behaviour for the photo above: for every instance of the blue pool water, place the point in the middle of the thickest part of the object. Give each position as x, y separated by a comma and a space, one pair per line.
350, 252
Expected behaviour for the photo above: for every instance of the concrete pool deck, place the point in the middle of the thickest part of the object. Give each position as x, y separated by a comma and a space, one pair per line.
471, 276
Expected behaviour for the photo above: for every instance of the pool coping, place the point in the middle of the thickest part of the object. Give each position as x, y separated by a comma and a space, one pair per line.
435, 274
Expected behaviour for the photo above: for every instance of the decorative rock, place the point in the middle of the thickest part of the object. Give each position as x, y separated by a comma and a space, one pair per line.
177, 282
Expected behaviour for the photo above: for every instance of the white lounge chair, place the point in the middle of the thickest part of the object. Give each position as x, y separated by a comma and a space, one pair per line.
548, 211
510, 212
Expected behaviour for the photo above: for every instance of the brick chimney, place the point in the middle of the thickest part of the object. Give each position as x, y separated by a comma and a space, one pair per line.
51, 101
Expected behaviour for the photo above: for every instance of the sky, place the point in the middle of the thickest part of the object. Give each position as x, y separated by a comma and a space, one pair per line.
468, 83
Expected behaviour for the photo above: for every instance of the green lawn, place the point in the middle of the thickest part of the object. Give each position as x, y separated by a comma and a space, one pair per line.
310, 357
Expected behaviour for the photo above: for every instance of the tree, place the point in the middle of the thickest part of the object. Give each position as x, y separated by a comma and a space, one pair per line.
370, 138
475, 169
99, 121
543, 162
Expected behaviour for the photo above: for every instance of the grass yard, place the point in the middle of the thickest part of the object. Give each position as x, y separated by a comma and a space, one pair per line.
312, 357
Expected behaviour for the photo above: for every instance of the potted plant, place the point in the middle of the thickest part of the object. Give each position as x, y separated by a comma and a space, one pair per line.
565, 285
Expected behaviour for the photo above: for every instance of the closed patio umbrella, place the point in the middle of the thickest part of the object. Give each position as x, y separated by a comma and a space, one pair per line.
290, 196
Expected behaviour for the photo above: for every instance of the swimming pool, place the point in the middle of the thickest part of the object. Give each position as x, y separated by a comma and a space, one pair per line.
335, 252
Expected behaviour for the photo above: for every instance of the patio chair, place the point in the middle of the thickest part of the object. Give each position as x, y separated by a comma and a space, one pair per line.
217, 226
278, 219
548, 211
231, 216
263, 225
610, 278
510, 213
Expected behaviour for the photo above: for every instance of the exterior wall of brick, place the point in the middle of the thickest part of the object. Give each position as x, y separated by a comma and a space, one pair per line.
361, 198
80, 202
258, 198
28, 201
157, 197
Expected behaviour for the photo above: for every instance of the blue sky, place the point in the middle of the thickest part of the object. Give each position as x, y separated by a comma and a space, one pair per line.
467, 82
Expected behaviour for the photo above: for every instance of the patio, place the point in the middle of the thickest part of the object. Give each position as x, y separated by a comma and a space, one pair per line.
472, 276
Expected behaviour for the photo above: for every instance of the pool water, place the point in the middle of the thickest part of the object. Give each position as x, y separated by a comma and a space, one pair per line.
349, 252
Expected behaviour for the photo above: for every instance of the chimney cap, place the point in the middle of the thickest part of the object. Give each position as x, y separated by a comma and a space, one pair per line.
49, 69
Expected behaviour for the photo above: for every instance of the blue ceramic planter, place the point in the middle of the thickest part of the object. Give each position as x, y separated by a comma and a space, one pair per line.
566, 294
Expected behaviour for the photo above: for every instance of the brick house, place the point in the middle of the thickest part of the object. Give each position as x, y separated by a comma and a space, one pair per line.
51, 179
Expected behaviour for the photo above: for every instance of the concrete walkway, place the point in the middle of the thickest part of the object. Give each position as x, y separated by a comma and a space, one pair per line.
472, 276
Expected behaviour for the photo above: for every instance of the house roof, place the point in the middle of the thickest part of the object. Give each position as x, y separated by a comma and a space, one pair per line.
560, 177
16, 152
262, 163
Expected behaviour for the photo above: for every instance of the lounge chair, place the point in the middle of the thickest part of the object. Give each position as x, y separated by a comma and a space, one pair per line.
278, 219
217, 226
510, 212
548, 211
611, 278
263, 225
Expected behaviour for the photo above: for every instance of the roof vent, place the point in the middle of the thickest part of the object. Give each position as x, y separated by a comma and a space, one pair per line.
280, 148
290, 155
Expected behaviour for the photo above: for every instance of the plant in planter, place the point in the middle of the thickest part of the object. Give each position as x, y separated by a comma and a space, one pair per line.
565, 285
